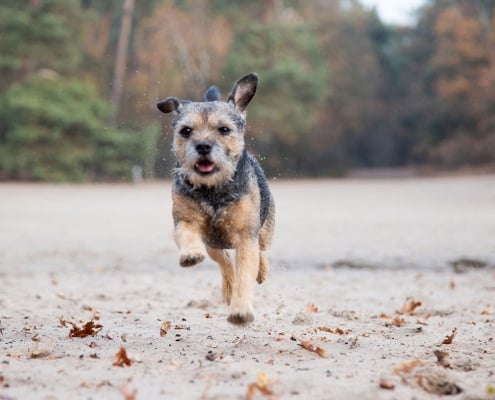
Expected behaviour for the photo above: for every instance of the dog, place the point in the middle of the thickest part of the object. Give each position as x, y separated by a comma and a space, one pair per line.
221, 198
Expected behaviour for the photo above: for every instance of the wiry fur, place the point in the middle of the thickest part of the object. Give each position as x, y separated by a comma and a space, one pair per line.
221, 199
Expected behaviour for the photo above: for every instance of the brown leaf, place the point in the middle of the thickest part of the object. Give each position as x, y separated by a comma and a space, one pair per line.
39, 353
121, 358
311, 308
442, 358
88, 329
449, 338
409, 307
261, 385
336, 331
398, 321
386, 384
3, 382
307, 345
407, 367
164, 328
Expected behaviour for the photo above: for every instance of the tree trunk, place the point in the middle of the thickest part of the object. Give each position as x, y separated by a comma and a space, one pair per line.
121, 57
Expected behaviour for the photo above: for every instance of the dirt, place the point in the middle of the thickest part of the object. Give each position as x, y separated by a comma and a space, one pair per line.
378, 289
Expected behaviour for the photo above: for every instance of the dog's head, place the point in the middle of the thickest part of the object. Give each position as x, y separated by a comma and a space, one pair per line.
209, 135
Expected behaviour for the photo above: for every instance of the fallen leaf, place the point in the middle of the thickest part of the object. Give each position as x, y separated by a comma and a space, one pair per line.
121, 358
39, 353
386, 384
398, 321
164, 328
409, 307
261, 385
311, 308
88, 329
485, 312
452, 284
307, 345
407, 367
449, 338
442, 358
385, 316
336, 331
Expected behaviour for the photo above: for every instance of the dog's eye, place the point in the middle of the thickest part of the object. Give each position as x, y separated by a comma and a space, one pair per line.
185, 131
224, 130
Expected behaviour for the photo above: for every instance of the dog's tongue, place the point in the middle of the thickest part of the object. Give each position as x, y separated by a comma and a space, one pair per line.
205, 166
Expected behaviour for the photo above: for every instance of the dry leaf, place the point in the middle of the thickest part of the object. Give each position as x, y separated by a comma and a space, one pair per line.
452, 284
407, 367
442, 358
485, 312
88, 329
409, 307
39, 353
336, 331
386, 384
121, 358
164, 328
307, 345
261, 385
398, 321
385, 316
311, 308
449, 338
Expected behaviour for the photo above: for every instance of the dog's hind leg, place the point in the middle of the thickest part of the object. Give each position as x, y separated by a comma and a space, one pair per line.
263, 270
222, 258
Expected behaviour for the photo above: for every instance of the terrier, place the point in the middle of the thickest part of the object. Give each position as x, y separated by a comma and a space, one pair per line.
221, 199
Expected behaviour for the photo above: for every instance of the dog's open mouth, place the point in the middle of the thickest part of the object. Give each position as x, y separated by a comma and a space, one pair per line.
205, 167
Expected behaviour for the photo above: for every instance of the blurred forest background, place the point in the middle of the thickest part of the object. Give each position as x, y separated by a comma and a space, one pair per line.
339, 89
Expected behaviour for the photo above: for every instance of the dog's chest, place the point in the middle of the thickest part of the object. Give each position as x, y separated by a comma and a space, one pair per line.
219, 231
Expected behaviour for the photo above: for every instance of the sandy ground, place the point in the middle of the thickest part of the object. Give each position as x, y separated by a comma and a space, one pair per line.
373, 275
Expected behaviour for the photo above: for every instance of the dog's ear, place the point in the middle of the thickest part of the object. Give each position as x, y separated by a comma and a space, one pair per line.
243, 91
170, 104
212, 94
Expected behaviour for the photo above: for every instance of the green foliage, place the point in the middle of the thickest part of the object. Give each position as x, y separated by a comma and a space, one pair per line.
293, 80
35, 37
56, 129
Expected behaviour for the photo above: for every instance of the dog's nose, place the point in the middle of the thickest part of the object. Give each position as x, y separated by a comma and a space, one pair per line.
203, 148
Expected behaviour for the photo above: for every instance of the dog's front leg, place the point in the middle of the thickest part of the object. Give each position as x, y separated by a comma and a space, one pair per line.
246, 269
188, 238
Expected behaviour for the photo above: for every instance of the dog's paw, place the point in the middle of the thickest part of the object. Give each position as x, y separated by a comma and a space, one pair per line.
241, 319
191, 259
